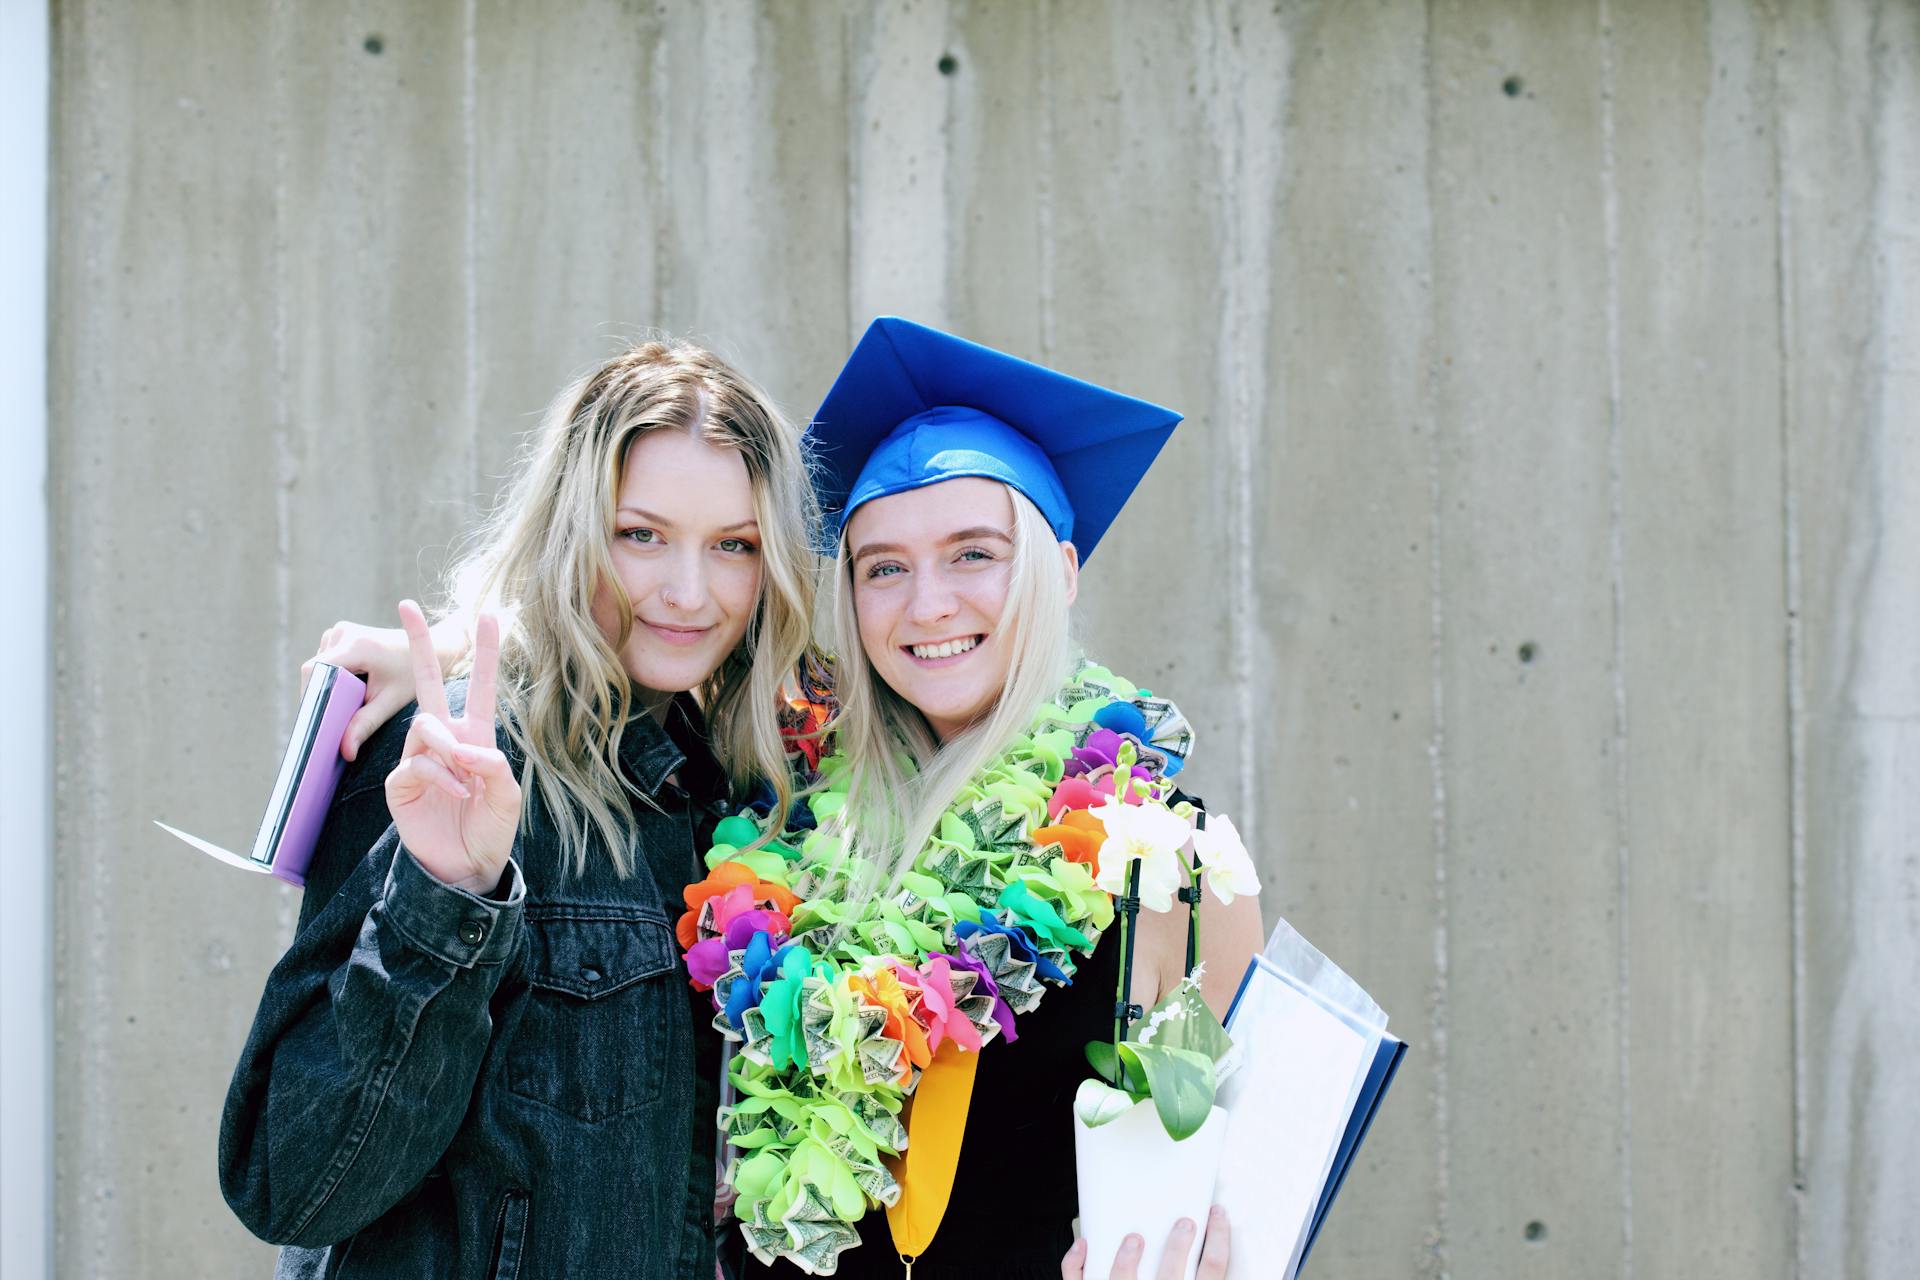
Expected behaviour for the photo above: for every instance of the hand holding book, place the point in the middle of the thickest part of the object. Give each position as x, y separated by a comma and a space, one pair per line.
453, 796
380, 657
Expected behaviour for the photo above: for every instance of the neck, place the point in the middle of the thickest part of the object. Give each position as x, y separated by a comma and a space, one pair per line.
945, 731
653, 702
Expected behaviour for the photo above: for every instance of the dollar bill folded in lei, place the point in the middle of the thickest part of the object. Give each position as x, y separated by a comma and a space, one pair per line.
836, 1016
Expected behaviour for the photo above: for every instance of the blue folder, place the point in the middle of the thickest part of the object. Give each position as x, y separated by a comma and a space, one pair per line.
1366, 1104
1386, 1061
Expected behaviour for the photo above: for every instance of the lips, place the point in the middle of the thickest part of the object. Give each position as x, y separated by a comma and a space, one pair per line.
676, 635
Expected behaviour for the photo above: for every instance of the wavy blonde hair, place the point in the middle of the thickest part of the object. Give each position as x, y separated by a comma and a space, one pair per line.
546, 550
901, 778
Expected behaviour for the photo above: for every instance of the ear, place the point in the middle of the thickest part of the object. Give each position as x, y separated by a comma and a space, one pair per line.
1071, 556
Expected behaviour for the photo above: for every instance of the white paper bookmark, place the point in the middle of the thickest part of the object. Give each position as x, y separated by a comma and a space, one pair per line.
214, 850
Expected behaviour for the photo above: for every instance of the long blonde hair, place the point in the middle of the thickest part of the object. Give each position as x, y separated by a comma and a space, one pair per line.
900, 776
547, 549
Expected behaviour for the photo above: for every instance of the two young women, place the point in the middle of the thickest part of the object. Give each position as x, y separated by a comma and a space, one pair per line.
479, 1057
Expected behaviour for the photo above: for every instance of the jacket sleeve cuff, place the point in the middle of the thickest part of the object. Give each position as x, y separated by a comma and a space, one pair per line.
461, 928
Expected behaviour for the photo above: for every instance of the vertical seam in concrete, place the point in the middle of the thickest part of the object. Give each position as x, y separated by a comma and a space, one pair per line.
470, 254
1868, 1039
1043, 186
1245, 286
1795, 674
1616, 553
1239, 425
663, 197
91, 1167
286, 465
850, 95
951, 246
1437, 746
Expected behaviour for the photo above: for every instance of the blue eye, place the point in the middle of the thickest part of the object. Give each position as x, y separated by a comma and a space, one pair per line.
975, 553
883, 570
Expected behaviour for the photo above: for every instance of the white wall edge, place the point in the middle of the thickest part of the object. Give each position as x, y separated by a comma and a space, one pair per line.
26, 699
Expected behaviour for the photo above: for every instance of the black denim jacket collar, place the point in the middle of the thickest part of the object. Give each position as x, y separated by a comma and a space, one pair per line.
653, 750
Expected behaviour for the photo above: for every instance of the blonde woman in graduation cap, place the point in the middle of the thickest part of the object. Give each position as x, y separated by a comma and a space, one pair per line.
951, 949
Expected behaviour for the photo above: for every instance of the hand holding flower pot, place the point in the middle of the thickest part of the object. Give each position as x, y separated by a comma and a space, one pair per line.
1147, 1135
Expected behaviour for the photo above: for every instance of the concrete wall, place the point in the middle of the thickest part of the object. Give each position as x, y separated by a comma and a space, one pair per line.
1540, 560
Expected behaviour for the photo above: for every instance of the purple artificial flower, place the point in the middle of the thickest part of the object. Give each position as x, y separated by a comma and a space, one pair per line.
707, 961
1102, 748
961, 958
741, 928
710, 958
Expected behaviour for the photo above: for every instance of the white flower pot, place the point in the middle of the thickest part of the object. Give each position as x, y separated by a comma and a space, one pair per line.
1134, 1178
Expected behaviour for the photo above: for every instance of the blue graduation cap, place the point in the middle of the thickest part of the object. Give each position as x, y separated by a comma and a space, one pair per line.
914, 406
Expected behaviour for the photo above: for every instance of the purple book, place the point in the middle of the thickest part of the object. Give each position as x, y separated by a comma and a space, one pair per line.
309, 772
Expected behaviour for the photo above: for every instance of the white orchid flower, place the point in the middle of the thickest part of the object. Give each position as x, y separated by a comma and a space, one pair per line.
1229, 869
1150, 835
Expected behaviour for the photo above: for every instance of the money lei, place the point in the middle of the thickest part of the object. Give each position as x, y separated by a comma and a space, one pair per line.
836, 1016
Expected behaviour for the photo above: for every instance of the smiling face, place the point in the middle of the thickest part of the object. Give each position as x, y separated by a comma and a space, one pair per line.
931, 572
686, 551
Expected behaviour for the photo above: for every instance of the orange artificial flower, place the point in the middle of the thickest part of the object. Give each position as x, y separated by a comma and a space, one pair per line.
1079, 835
885, 993
724, 879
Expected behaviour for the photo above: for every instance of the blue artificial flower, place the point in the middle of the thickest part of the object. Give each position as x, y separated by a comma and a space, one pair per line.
1022, 943
760, 964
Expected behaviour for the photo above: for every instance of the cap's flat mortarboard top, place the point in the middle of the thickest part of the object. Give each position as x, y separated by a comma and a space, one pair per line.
914, 406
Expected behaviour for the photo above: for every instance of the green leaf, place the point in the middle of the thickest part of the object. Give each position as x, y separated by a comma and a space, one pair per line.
1181, 1084
1104, 1061
1196, 1028
1135, 1071
1097, 1103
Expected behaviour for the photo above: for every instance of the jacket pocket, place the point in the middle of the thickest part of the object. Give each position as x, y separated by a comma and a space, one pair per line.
510, 1238
603, 1010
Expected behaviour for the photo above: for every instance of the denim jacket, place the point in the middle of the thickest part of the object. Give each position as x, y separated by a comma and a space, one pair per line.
439, 1084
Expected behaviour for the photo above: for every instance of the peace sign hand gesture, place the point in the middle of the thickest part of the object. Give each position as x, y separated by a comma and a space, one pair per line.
453, 796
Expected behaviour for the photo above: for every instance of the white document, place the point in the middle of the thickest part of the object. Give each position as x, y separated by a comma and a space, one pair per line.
215, 851
1301, 1065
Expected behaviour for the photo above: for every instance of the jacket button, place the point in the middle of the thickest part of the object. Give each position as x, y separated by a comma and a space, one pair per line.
473, 932
589, 974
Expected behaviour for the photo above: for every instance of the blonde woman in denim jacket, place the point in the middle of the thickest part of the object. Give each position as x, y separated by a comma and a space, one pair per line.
480, 1057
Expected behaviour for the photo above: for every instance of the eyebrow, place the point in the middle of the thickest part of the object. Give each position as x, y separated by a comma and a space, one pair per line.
652, 518
965, 535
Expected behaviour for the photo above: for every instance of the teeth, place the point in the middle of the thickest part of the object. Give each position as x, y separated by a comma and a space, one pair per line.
946, 649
